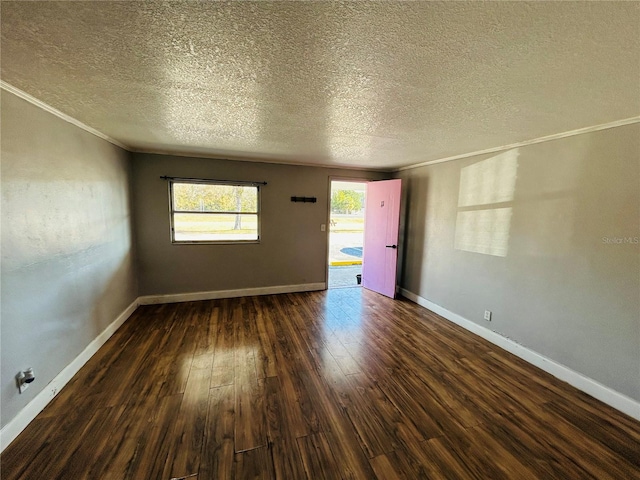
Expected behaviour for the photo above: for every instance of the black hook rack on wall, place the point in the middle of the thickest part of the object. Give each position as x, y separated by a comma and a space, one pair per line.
304, 199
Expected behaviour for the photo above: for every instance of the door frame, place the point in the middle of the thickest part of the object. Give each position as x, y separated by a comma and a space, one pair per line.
338, 178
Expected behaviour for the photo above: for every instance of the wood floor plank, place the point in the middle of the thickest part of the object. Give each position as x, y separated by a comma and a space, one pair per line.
266, 359
302, 415
335, 384
400, 427
523, 444
486, 457
190, 425
374, 430
217, 454
223, 368
412, 463
159, 445
383, 468
430, 418
439, 456
205, 320
552, 387
623, 441
559, 439
593, 456
131, 431
250, 421
319, 373
13, 458
181, 348
75, 458
250, 424
282, 439
254, 464
341, 354
317, 458
372, 436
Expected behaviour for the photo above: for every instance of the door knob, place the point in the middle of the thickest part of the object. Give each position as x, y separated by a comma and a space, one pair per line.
392, 246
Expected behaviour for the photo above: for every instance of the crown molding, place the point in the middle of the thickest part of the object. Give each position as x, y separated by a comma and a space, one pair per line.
214, 156
67, 118
54, 111
555, 136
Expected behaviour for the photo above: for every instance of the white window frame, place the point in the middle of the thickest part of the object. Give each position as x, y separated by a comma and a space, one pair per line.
172, 211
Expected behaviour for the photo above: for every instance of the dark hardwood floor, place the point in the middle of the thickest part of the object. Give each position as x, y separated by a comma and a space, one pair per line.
337, 384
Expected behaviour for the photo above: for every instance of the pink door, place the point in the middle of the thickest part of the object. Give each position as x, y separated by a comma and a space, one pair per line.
381, 225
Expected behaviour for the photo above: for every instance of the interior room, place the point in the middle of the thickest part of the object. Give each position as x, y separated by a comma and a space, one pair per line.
166, 173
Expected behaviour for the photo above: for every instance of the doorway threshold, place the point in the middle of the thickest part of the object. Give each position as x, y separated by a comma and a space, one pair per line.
344, 276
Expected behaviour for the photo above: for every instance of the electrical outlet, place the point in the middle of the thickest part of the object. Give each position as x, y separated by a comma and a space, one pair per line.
487, 315
23, 379
22, 386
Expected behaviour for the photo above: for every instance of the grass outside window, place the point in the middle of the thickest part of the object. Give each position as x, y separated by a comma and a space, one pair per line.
207, 212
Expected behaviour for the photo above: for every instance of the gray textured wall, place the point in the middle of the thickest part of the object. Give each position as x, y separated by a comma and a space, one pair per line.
557, 281
292, 249
67, 266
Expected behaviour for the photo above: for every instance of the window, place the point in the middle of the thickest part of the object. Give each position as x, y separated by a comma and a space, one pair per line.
211, 212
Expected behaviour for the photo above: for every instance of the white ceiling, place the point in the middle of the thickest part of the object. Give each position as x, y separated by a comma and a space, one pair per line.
365, 84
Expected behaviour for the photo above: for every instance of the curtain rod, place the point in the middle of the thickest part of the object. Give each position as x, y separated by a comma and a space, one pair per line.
202, 180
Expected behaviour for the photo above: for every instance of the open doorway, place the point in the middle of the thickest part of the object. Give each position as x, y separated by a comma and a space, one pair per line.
346, 233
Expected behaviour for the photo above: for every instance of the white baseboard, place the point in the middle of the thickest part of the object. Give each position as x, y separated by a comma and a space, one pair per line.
12, 429
597, 390
243, 292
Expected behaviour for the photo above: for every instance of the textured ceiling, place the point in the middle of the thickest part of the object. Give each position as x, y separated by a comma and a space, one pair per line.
365, 84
